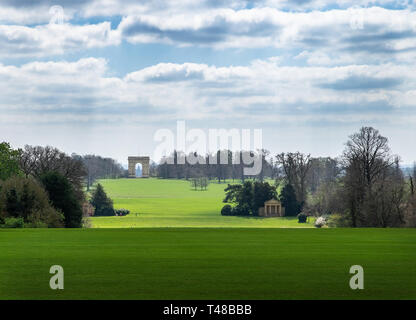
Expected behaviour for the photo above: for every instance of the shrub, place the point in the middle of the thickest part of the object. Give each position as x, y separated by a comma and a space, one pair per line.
121, 212
86, 222
227, 210
241, 210
337, 220
36, 224
14, 222
320, 222
302, 218
48, 217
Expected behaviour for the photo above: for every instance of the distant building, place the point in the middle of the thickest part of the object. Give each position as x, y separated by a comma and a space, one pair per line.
272, 208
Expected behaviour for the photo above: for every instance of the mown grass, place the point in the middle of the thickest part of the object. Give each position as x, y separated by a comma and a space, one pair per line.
209, 263
173, 203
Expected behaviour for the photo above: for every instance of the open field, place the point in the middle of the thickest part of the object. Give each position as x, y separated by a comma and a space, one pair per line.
173, 203
208, 263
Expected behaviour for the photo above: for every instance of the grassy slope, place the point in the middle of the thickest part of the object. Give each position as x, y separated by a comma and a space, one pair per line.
208, 263
173, 203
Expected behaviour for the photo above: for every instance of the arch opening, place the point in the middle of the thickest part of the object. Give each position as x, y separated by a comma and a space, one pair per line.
138, 170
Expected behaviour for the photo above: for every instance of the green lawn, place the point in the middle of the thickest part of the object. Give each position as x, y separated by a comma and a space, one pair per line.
209, 263
173, 203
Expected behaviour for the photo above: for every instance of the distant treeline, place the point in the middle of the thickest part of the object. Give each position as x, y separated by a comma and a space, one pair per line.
314, 170
97, 167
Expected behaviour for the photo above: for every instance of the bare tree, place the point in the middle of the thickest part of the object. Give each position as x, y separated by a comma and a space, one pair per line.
37, 160
373, 182
296, 166
370, 153
412, 180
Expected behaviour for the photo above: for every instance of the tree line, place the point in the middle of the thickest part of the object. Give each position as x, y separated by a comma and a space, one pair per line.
363, 187
44, 187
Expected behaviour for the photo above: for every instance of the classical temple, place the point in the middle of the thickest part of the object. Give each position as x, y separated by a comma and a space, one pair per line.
272, 208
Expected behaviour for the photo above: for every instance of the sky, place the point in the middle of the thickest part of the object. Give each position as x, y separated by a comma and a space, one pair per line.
102, 77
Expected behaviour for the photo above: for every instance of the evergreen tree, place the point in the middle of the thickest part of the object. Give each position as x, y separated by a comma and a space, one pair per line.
102, 203
28, 201
63, 197
13, 204
289, 202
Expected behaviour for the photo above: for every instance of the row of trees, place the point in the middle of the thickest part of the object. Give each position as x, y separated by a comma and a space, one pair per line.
210, 166
302, 171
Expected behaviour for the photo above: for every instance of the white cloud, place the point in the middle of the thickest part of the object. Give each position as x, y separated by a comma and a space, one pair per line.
53, 39
372, 35
338, 36
264, 92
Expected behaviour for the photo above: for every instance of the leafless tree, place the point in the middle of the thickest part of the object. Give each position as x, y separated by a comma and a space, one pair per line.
373, 182
323, 171
370, 153
296, 166
36, 161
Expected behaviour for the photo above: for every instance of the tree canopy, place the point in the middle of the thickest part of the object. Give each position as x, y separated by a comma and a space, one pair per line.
9, 161
62, 196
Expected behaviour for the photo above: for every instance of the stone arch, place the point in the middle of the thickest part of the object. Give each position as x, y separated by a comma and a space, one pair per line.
144, 161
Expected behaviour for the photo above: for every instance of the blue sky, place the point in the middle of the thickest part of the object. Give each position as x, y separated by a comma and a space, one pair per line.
102, 77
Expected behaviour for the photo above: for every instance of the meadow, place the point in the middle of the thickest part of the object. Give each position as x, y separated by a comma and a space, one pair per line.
178, 246
190, 263
173, 203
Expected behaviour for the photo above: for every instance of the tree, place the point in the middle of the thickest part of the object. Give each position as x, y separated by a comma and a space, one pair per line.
9, 161
369, 152
296, 167
411, 202
289, 201
327, 199
203, 183
373, 182
25, 198
102, 203
194, 183
63, 198
13, 204
323, 170
262, 192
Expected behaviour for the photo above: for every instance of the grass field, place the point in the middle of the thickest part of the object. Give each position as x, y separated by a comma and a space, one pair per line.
209, 257
173, 203
208, 263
